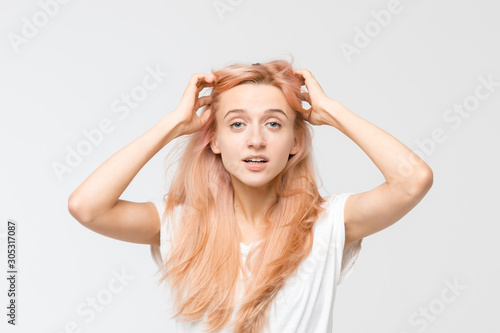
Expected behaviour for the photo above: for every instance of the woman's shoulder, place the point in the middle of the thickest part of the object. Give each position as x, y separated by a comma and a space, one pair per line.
334, 209
161, 206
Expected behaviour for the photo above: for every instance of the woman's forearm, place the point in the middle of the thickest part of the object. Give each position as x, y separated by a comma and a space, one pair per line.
102, 189
399, 165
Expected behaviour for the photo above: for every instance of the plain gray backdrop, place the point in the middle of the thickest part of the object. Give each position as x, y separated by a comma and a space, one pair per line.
427, 72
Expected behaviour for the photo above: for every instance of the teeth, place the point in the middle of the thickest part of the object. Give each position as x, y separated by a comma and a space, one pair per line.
255, 160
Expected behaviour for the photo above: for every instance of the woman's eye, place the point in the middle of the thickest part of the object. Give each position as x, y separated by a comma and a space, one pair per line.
234, 124
274, 125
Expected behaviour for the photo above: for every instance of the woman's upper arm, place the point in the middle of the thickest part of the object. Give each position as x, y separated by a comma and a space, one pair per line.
134, 222
369, 212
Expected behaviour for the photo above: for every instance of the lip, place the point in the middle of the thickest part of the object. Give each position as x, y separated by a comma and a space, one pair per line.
255, 166
256, 156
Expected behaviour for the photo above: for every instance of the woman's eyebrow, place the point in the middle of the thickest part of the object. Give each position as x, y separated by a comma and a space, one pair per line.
244, 111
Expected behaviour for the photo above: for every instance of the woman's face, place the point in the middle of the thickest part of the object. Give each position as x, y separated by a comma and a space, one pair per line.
254, 119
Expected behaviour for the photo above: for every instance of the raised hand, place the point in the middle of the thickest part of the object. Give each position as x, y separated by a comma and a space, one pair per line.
185, 112
316, 97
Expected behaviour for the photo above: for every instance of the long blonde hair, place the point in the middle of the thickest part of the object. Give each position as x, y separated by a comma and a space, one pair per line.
204, 261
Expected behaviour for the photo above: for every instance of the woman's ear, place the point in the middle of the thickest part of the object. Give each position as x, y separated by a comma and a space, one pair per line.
295, 147
214, 146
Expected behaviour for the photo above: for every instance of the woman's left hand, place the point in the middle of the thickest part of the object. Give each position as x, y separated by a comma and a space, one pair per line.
316, 97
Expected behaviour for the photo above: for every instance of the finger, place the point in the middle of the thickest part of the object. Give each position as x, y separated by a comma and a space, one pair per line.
198, 82
199, 89
204, 100
307, 75
305, 97
205, 80
303, 72
192, 84
306, 115
205, 115
309, 78
298, 74
204, 93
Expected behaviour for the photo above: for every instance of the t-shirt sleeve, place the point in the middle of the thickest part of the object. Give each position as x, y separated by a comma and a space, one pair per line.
158, 252
347, 257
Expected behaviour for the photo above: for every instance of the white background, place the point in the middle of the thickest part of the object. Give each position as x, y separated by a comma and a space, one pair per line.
63, 77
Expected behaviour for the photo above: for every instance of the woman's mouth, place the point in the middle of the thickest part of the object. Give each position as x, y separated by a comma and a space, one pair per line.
250, 161
255, 164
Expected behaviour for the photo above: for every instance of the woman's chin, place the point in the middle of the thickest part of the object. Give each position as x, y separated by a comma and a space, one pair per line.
254, 181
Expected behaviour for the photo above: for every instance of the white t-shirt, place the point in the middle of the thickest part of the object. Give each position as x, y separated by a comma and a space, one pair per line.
305, 303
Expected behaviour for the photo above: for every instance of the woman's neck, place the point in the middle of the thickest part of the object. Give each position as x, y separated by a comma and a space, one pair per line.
250, 204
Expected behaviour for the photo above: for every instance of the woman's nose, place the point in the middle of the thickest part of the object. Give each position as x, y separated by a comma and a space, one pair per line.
257, 138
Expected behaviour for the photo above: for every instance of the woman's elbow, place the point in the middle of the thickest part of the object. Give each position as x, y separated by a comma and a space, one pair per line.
77, 209
423, 182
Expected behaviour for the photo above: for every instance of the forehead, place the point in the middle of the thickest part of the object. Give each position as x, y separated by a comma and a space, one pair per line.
256, 98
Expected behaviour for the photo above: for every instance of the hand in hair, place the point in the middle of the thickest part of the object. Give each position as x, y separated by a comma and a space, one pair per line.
315, 96
185, 112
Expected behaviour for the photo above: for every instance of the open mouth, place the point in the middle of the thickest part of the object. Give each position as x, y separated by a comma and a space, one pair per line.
255, 162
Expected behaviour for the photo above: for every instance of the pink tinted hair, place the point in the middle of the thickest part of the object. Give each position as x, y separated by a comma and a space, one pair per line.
204, 255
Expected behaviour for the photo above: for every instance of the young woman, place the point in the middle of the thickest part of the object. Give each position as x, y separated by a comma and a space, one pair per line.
243, 236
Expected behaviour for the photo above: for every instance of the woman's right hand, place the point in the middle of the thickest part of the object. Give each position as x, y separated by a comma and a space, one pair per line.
185, 112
